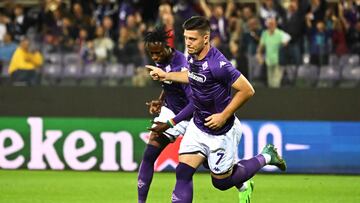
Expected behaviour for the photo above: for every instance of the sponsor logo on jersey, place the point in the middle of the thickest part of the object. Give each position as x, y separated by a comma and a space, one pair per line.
197, 77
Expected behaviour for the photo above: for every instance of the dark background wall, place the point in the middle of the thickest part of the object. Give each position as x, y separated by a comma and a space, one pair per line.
129, 102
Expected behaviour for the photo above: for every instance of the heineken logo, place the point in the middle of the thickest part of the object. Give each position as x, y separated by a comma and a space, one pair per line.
76, 145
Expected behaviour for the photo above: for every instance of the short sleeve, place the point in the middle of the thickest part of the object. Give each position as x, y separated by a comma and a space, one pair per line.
224, 71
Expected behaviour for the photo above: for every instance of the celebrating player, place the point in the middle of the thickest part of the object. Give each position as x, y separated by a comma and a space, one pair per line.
174, 105
214, 132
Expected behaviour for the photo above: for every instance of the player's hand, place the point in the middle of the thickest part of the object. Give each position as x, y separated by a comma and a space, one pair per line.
159, 127
154, 106
215, 121
156, 73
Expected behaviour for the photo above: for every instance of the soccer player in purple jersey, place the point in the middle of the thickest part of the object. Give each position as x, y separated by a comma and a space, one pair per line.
174, 106
214, 132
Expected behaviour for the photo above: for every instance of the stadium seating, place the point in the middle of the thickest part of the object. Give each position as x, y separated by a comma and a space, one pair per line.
329, 76
72, 74
51, 73
307, 75
92, 74
350, 76
113, 74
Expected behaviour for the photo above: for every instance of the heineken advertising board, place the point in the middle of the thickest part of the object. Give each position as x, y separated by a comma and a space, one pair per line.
117, 144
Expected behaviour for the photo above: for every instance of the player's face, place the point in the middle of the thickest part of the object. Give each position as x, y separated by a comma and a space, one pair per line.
157, 52
195, 41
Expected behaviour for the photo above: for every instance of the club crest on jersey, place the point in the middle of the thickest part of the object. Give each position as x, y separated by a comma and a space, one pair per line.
168, 68
197, 77
222, 63
205, 65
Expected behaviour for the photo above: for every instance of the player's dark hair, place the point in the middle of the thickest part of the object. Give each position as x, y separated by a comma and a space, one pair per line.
199, 23
158, 35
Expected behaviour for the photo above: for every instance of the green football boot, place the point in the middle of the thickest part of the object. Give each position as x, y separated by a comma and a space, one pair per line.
245, 195
276, 160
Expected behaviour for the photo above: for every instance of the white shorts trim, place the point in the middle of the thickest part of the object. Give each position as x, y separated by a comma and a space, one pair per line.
220, 150
177, 130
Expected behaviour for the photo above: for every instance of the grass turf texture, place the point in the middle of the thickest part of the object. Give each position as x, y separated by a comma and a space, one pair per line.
106, 187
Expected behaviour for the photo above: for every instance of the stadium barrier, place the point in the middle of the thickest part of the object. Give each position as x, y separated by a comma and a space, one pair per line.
117, 144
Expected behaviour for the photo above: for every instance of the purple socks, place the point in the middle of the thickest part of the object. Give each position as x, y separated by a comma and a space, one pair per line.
146, 171
242, 171
183, 192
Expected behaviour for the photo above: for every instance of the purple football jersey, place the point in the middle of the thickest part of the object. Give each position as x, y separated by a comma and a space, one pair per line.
211, 79
177, 95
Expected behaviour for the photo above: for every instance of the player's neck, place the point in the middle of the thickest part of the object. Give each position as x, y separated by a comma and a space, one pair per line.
203, 52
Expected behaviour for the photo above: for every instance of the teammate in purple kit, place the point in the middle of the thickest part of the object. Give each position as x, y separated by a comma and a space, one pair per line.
214, 132
174, 106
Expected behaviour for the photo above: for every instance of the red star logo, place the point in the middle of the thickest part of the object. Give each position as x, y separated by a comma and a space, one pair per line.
169, 156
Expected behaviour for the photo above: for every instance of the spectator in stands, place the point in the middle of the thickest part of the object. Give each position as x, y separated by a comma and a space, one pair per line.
125, 9
3, 21
103, 46
353, 38
164, 8
329, 18
109, 28
350, 9
251, 38
316, 11
184, 9
127, 50
7, 49
271, 9
52, 27
339, 37
272, 40
105, 8
238, 59
172, 23
218, 21
247, 14
80, 19
85, 46
19, 24
294, 25
318, 40
25, 63
235, 23
168, 22
87, 6
68, 35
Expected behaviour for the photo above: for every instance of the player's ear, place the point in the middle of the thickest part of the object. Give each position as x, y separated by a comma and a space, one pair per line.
207, 38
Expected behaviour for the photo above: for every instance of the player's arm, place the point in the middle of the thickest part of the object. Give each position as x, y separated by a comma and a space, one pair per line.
158, 74
185, 114
259, 51
244, 91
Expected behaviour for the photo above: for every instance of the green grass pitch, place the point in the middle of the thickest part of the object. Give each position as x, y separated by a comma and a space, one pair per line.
23, 186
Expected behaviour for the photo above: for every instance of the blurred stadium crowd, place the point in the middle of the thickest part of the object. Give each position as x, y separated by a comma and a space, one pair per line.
99, 42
